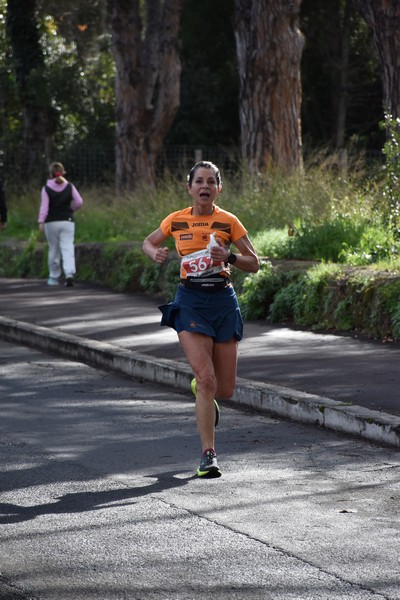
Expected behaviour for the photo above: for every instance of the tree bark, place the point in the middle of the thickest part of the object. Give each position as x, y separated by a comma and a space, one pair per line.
147, 84
38, 122
269, 47
341, 74
383, 16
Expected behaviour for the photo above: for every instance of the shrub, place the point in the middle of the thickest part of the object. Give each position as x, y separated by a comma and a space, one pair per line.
118, 266
283, 307
272, 243
258, 292
387, 303
392, 183
303, 299
33, 259
324, 241
377, 242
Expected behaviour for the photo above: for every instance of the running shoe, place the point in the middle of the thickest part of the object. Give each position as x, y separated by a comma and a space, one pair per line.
52, 281
208, 468
217, 410
69, 282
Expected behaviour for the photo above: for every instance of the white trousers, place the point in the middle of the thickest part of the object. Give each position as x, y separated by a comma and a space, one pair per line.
60, 236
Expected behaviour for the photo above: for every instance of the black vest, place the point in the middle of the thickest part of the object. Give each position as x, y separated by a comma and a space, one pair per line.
60, 204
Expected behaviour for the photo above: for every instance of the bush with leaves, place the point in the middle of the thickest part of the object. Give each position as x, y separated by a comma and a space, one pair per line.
303, 300
258, 292
391, 192
377, 243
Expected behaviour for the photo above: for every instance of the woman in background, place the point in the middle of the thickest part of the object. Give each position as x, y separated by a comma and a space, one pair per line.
59, 200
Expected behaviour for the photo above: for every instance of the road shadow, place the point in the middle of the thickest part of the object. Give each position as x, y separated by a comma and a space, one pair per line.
87, 501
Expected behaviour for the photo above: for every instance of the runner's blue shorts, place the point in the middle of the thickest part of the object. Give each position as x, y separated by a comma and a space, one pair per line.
214, 314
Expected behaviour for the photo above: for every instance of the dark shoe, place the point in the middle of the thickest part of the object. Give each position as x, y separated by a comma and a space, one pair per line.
69, 282
217, 409
208, 465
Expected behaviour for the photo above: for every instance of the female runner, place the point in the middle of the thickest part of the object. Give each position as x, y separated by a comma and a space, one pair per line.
205, 312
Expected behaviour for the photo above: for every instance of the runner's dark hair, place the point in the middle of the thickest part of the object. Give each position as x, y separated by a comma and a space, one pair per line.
205, 164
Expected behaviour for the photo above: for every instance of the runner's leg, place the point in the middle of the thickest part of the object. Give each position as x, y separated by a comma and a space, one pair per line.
225, 356
198, 349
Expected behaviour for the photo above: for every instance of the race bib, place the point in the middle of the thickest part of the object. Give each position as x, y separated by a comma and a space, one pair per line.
199, 264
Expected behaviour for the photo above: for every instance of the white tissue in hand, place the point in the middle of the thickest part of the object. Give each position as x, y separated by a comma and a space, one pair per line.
213, 242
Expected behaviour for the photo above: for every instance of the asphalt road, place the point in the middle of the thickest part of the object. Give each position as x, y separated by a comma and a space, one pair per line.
341, 382
98, 499
344, 368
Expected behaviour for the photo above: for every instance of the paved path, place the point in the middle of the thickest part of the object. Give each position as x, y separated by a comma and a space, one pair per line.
98, 499
341, 382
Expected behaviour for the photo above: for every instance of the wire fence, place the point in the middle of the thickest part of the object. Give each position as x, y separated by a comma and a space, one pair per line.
94, 163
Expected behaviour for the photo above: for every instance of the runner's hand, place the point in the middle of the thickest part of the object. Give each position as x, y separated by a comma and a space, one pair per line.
219, 253
161, 255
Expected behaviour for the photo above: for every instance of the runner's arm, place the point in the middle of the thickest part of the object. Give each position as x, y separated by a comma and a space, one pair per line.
247, 260
151, 247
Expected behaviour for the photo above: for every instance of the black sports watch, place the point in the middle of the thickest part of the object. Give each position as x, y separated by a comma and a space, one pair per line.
231, 258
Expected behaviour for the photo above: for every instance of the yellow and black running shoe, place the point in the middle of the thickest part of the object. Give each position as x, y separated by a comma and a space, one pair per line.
208, 468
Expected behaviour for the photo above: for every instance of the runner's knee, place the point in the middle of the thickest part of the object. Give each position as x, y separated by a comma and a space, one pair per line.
207, 384
225, 391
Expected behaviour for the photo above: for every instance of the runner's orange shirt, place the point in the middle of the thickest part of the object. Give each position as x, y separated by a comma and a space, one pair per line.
192, 232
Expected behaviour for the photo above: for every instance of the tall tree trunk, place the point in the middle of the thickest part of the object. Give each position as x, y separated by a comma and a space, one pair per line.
341, 73
269, 48
147, 84
38, 123
383, 16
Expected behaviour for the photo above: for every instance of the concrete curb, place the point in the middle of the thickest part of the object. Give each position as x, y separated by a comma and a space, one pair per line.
260, 397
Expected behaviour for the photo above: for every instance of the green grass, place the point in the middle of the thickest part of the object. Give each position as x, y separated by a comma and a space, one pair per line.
332, 219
